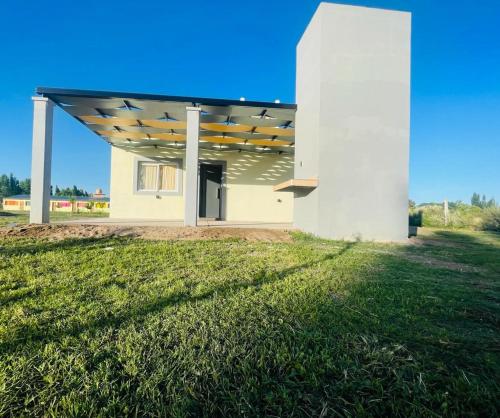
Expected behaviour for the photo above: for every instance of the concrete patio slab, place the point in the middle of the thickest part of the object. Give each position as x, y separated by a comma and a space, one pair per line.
175, 223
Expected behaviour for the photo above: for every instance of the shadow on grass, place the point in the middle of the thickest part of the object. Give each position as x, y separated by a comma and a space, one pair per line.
459, 236
462, 281
355, 363
34, 334
468, 248
260, 279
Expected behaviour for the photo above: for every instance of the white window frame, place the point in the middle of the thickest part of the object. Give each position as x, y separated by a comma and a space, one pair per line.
178, 176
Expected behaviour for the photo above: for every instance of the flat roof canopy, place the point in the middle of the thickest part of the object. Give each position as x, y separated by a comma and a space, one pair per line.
131, 120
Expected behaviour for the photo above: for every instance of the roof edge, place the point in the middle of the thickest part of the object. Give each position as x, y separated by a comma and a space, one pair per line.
51, 91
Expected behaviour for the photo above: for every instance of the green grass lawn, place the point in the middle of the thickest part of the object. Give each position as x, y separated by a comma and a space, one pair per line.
8, 218
122, 327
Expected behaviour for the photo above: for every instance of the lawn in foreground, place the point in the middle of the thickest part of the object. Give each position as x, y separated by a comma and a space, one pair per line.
224, 328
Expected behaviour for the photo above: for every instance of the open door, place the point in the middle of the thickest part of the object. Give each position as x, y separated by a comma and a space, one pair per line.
210, 191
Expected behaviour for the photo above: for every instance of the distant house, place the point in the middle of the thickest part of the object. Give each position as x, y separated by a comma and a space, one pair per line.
22, 202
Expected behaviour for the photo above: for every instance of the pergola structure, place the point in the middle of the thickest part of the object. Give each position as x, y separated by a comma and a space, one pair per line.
134, 122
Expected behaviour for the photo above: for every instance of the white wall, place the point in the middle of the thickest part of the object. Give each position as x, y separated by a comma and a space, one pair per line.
125, 203
353, 97
307, 126
249, 194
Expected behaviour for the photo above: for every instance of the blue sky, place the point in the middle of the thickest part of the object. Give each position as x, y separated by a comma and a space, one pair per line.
229, 49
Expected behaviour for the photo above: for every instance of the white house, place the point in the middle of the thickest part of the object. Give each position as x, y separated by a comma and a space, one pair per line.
335, 163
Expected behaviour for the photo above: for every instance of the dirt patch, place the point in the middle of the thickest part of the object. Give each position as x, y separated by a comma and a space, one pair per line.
59, 232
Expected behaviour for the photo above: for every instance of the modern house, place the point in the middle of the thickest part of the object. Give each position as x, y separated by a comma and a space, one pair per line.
335, 163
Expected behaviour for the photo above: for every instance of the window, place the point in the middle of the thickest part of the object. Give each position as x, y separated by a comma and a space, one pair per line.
157, 177
148, 176
167, 176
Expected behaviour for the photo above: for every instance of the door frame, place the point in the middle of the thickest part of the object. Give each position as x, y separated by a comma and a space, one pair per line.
222, 163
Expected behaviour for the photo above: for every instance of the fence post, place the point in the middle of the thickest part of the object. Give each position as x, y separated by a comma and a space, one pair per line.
446, 212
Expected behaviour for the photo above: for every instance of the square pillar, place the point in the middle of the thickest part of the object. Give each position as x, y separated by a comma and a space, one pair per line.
191, 189
41, 159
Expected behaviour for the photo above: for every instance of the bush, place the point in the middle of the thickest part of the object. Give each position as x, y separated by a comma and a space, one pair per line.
466, 216
491, 221
459, 216
415, 217
432, 215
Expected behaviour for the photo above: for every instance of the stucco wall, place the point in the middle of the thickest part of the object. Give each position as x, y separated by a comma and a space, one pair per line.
125, 203
307, 125
249, 180
353, 98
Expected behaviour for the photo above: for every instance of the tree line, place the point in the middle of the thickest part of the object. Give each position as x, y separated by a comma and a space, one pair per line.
476, 200
10, 185
482, 202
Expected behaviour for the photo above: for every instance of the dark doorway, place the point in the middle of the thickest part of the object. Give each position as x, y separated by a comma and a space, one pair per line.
210, 191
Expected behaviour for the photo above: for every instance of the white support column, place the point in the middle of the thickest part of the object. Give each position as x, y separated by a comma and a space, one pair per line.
191, 190
41, 159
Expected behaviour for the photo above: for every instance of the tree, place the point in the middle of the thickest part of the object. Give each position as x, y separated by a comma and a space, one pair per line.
475, 200
9, 185
4, 185
14, 185
70, 191
482, 202
491, 203
25, 186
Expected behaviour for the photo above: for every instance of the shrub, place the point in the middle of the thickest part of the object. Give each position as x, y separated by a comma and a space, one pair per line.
432, 215
460, 216
466, 216
491, 221
415, 217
